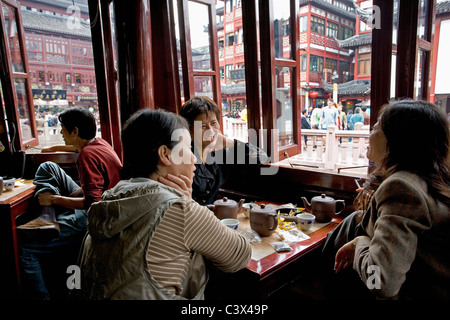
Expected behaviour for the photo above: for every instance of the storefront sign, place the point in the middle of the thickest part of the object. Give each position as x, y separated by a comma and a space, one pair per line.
48, 94
237, 74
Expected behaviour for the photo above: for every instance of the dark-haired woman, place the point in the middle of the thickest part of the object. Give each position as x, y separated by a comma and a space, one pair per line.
405, 252
216, 154
146, 240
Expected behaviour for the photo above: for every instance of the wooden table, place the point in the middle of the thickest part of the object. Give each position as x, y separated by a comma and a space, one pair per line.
265, 275
12, 204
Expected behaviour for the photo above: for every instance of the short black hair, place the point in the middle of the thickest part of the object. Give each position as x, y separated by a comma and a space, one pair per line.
143, 133
79, 118
197, 105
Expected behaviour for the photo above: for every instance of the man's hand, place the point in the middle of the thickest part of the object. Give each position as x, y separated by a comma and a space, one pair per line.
181, 183
46, 199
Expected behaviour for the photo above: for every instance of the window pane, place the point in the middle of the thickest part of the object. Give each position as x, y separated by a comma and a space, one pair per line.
203, 86
282, 14
420, 82
22, 106
422, 28
63, 65
284, 106
13, 38
200, 39
232, 73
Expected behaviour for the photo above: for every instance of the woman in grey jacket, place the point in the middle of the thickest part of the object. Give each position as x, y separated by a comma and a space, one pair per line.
146, 240
405, 253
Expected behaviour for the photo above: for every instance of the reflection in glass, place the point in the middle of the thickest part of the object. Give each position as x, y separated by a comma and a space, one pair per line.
284, 106
422, 28
282, 30
22, 108
203, 86
200, 39
420, 83
177, 37
13, 38
394, 47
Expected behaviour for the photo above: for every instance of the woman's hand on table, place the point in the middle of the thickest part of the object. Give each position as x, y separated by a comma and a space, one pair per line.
181, 183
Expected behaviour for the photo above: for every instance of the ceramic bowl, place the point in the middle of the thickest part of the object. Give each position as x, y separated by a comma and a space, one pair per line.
8, 183
305, 221
246, 209
231, 223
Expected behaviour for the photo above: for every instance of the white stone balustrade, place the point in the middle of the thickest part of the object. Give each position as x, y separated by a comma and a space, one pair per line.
235, 129
342, 148
332, 150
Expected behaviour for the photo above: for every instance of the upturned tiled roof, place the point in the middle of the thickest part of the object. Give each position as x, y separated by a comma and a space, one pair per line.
355, 41
353, 87
34, 21
332, 8
443, 7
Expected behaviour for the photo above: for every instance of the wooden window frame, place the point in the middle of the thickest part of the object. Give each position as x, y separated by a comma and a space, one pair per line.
9, 93
269, 63
189, 73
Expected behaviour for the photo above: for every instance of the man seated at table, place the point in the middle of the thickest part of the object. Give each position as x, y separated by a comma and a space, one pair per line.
62, 208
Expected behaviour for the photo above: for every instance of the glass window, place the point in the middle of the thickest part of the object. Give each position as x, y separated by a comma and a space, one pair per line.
303, 59
364, 64
284, 106
282, 14
332, 30
316, 63
317, 25
331, 64
22, 106
229, 39
346, 33
9, 17
200, 40
204, 86
303, 23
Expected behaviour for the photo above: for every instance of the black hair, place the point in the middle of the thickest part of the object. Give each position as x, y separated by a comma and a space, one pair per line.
142, 135
79, 118
198, 105
418, 138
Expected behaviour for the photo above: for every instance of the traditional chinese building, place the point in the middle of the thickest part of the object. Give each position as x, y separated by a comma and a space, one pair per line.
322, 24
356, 90
59, 52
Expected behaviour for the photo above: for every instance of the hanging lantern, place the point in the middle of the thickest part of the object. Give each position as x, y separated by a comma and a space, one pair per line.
314, 94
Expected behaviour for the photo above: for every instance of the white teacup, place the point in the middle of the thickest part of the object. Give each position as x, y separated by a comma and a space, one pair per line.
246, 209
9, 183
305, 221
231, 223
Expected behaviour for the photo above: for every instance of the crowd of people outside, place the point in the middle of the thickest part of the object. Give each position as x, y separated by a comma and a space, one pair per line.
322, 116
51, 117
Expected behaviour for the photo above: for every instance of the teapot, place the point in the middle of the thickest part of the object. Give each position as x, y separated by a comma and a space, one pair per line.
226, 208
323, 207
263, 220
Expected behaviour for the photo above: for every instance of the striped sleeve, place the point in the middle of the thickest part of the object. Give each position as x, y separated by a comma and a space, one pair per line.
204, 233
185, 227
